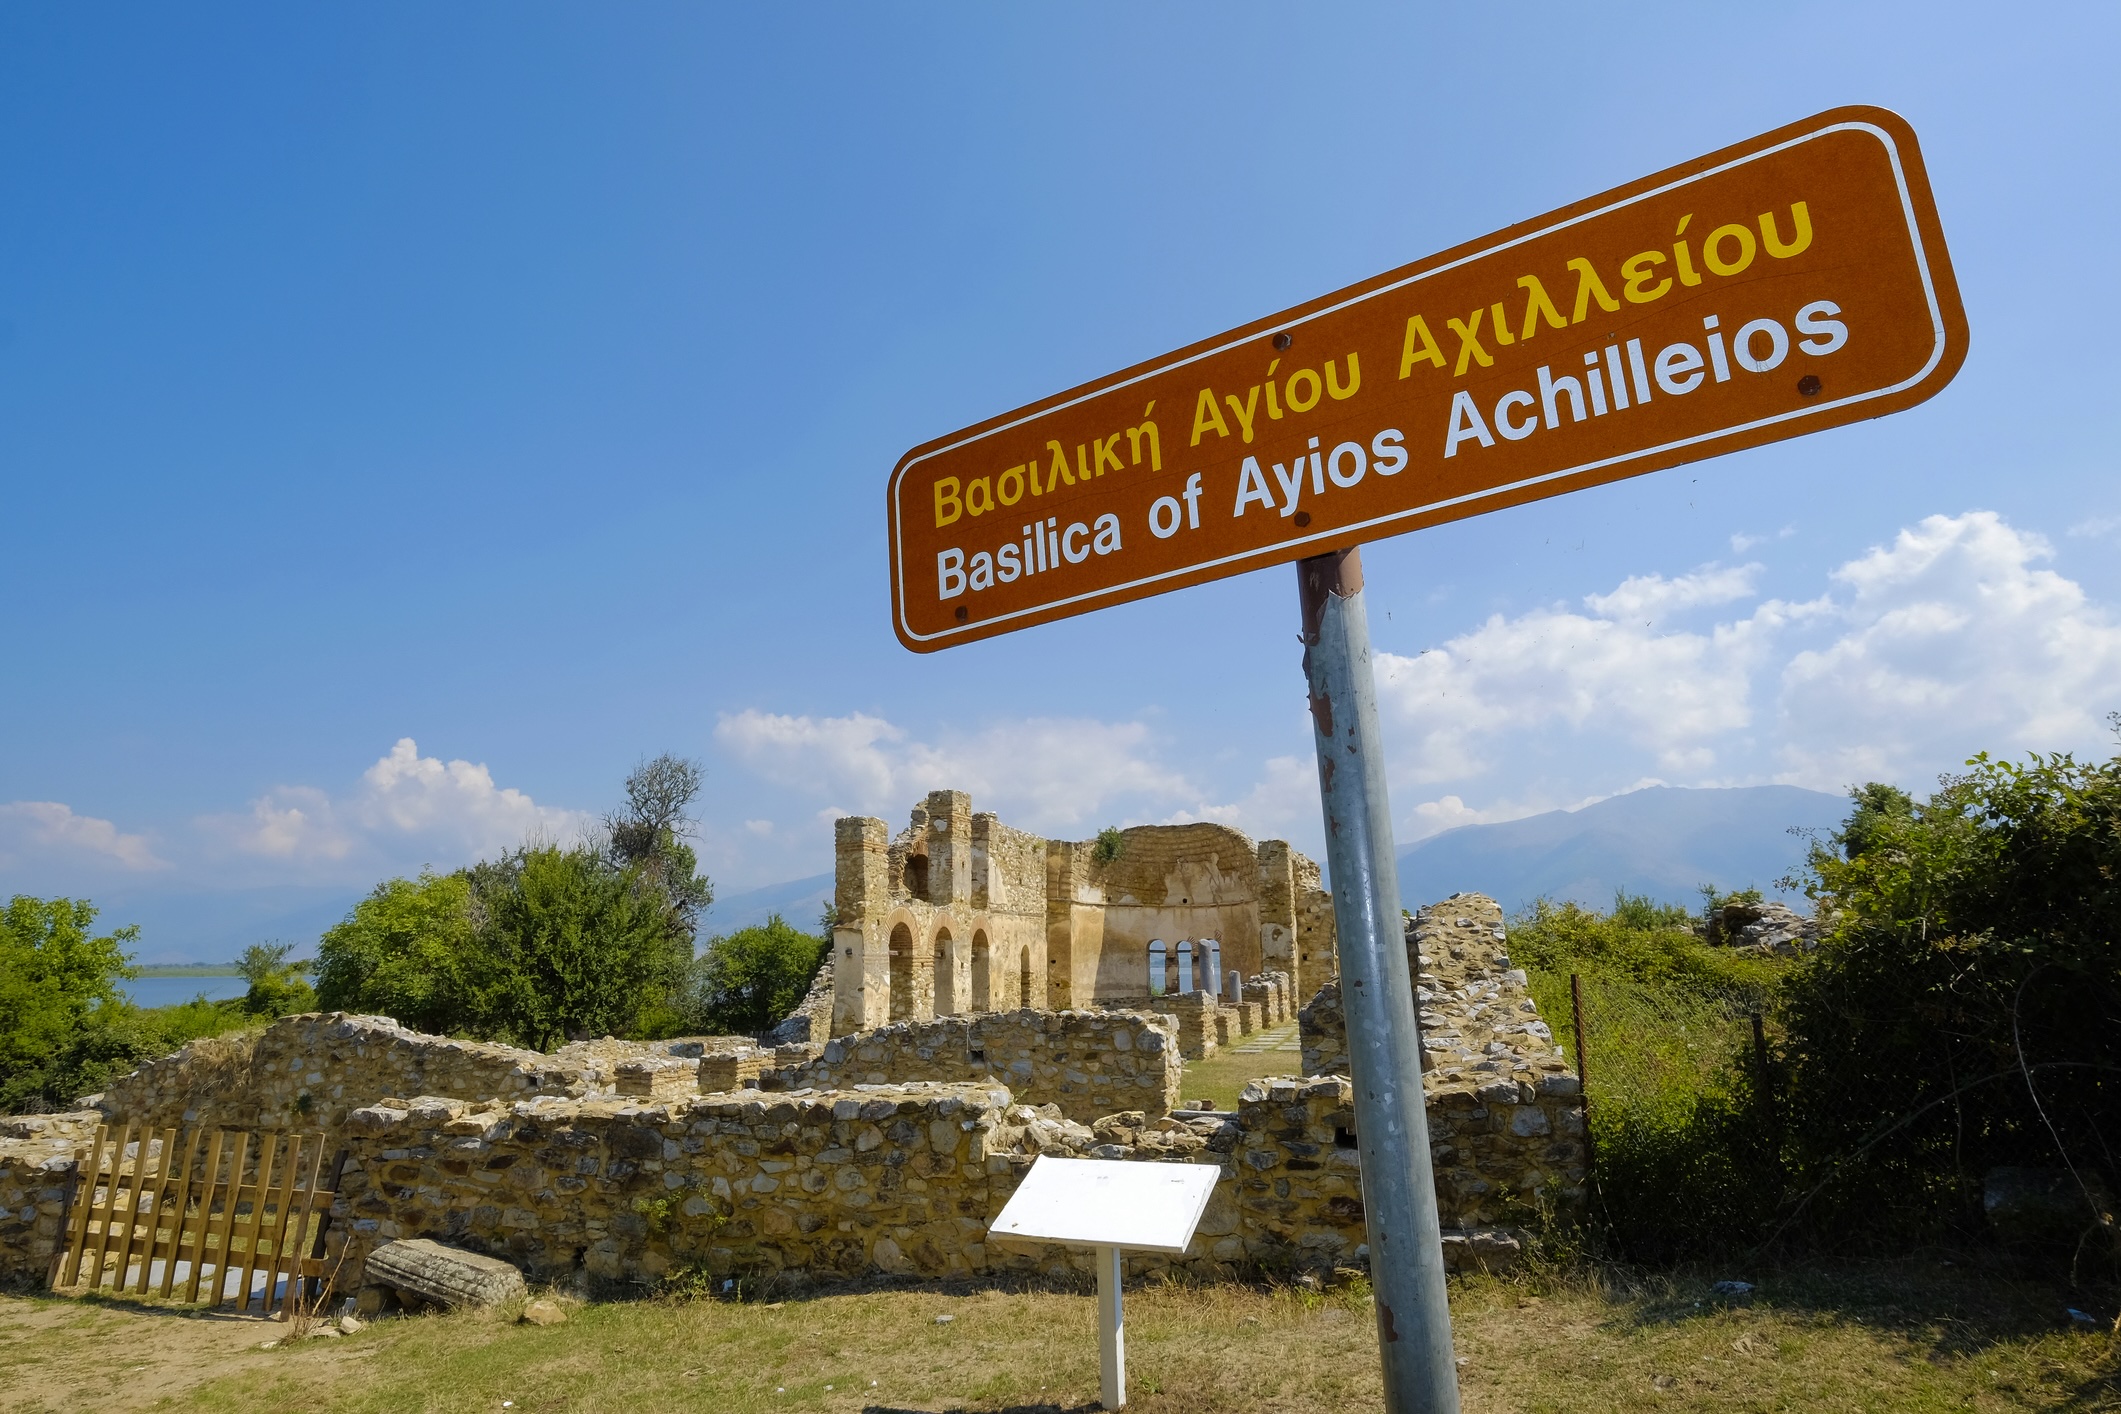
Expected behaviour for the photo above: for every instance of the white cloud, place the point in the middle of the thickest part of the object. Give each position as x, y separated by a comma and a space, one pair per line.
1953, 638
1948, 641
1651, 598
761, 828
49, 826
1283, 804
1046, 774
1674, 693
1952, 643
1741, 542
450, 808
2096, 528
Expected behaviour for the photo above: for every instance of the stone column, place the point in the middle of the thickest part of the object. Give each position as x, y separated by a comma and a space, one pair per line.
861, 964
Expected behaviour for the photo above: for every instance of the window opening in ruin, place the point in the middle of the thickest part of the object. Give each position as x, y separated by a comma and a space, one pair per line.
1023, 979
901, 973
1156, 967
982, 983
1185, 967
917, 875
945, 974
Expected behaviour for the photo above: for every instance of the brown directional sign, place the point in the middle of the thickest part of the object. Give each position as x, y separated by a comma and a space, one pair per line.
1795, 282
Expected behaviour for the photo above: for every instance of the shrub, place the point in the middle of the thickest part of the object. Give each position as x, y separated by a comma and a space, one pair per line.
277, 986
748, 980
1960, 1015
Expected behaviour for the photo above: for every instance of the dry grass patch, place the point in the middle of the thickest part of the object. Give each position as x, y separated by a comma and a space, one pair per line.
1902, 1339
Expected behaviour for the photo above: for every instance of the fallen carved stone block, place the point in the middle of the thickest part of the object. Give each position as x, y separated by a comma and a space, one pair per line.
445, 1275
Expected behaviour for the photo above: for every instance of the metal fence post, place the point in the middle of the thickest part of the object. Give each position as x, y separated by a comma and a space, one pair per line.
1583, 1076
1377, 995
1765, 1072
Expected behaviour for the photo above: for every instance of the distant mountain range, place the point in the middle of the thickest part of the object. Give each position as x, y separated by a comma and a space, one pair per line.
800, 901
177, 926
1664, 841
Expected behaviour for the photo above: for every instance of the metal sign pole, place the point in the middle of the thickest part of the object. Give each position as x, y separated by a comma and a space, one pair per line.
1377, 994
1111, 1331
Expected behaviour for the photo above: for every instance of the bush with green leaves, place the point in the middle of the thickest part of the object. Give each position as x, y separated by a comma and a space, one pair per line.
746, 981
544, 945
1962, 1012
66, 1030
1958, 1015
278, 987
55, 972
407, 951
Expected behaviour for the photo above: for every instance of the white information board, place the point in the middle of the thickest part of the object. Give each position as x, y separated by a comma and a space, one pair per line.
1108, 1203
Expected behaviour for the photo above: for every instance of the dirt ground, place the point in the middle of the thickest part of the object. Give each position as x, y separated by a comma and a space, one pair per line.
1889, 1339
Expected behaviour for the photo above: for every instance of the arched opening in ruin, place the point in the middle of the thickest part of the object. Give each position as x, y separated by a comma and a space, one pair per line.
982, 980
917, 875
901, 973
945, 974
1185, 967
1023, 979
1156, 967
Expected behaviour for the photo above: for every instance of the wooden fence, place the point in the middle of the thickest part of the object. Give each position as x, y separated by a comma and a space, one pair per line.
200, 1216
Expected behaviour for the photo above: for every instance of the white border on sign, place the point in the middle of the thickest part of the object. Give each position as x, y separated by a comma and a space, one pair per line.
1342, 532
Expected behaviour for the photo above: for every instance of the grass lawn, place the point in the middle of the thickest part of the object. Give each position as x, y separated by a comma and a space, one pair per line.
1223, 1074
1913, 1337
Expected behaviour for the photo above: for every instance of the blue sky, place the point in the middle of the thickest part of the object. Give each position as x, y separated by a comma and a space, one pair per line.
410, 418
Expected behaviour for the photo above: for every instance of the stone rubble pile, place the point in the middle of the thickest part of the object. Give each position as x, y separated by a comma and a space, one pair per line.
1767, 928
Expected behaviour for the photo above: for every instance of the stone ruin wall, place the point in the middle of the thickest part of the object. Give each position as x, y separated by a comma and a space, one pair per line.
959, 914
1505, 1108
311, 1071
39, 1156
1089, 1063
949, 915
897, 1179
605, 1158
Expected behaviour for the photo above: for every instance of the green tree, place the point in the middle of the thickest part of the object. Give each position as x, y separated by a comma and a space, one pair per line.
571, 948
1961, 1013
1876, 803
54, 974
407, 951
748, 980
543, 944
278, 987
649, 835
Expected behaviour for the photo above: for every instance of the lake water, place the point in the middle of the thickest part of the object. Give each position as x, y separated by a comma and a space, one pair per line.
170, 991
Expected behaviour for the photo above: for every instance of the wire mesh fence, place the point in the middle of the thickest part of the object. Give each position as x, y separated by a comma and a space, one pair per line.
1709, 1140
1679, 1106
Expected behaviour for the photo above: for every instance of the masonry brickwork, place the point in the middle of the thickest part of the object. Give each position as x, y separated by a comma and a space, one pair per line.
311, 1071
1089, 1063
959, 914
39, 1157
888, 1150
1505, 1109
897, 1179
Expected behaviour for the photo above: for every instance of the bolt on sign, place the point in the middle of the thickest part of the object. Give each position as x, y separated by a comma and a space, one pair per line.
1785, 285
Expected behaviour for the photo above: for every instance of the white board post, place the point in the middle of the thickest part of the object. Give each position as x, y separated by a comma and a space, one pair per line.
1108, 1205
1111, 1331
